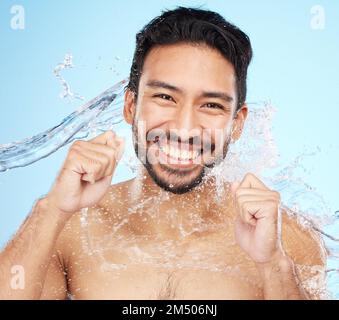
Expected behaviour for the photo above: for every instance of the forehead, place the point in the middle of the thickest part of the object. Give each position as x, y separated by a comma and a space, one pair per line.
189, 66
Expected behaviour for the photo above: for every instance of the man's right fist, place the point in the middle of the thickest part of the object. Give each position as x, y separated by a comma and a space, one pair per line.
86, 173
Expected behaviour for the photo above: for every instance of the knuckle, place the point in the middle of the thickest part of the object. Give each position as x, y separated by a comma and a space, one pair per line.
110, 134
108, 152
105, 159
112, 153
110, 159
76, 146
73, 153
113, 162
77, 143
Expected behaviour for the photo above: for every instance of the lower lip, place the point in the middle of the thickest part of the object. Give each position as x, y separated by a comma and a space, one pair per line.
168, 160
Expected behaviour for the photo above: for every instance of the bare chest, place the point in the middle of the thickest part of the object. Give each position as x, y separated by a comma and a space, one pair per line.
141, 282
195, 270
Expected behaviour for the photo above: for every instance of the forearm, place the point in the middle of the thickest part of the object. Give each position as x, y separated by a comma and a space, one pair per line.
25, 260
280, 281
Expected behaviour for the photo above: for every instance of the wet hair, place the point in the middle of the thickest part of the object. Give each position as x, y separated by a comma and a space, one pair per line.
195, 26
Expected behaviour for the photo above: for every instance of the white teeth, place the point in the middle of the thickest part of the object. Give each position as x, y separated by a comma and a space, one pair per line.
179, 154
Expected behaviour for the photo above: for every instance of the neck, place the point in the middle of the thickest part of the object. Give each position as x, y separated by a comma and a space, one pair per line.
145, 188
178, 209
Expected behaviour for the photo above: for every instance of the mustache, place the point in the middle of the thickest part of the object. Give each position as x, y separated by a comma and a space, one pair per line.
172, 137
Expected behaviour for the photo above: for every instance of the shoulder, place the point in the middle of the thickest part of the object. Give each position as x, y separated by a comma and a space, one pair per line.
304, 245
95, 220
302, 242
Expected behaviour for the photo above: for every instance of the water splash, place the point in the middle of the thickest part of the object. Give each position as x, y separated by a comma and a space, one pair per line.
100, 113
256, 152
66, 89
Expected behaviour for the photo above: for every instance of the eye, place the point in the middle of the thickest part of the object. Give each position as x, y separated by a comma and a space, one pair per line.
214, 106
163, 96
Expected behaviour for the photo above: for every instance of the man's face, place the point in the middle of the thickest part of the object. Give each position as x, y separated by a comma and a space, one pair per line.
184, 114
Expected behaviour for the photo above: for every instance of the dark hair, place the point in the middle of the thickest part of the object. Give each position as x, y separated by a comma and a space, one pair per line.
196, 26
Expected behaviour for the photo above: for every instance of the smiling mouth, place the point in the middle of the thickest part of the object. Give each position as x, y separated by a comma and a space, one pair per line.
178, 154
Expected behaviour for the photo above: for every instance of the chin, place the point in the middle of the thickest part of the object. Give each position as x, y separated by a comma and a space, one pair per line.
176, 180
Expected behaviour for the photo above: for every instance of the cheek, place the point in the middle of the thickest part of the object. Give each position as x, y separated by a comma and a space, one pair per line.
220, 135
213, 119
218, 123
154, 116
148, 125
218, 126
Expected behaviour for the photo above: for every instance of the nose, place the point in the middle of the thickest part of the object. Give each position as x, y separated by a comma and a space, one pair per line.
185, 121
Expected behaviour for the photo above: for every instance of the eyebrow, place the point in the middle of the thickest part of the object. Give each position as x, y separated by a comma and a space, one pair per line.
205, 94
164, 85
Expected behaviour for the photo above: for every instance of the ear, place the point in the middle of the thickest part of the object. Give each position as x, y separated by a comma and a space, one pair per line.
129, 106
238, 122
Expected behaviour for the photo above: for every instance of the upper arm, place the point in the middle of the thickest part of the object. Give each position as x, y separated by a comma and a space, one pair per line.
305, 247
55, 285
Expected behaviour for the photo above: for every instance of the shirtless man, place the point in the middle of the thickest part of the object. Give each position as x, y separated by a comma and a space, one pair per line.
165, 234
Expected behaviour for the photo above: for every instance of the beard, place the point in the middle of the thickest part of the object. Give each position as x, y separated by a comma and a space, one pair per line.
182, 183
176, 180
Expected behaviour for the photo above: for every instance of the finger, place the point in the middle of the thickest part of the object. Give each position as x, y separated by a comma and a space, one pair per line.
83, 165
114, 150
118, 143
107, 161
250, 191
110, 152
107, 138
251, 181
259, 209
245, 198
245, 215
244, 203
88, 177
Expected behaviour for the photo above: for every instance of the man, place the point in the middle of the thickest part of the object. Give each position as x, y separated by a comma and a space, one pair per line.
164, 234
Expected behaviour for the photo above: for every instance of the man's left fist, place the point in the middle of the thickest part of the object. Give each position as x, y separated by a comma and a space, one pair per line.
258, 222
